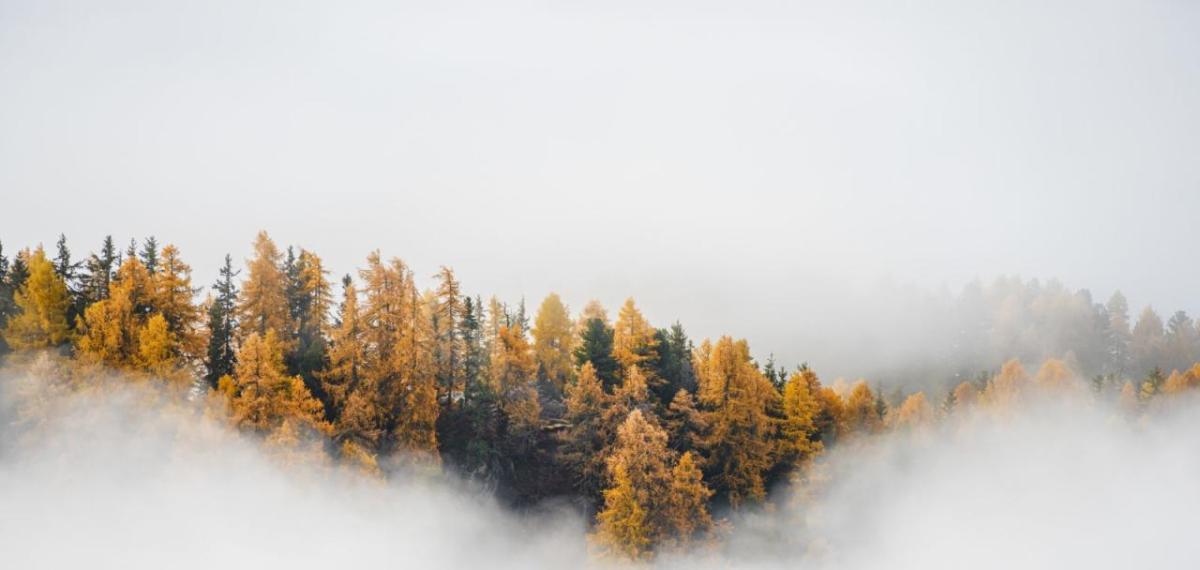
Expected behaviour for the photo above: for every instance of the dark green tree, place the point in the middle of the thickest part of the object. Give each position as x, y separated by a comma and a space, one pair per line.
222, 325
596, 346
150, 254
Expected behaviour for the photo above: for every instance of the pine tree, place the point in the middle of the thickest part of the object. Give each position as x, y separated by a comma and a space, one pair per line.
310, 298
42, 302
68, 270
553, 335
596, 347
101, 269
149, 254
222, 325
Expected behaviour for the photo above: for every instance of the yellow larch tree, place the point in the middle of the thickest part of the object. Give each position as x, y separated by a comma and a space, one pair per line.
449, 351
914, 413
1055, 376
1006, 389
687, 502
262, 396
174, 298
263, 303
861, 414
736, 396
799, 426
634, 340
621, 528
399, 361
42, 303
553, 341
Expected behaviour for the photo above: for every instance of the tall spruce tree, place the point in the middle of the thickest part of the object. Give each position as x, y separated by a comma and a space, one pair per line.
596, 346
222, 325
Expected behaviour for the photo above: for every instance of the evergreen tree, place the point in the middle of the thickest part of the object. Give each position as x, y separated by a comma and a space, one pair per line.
448, 344
596, 347
222, 325
310, 298
149, 254
101, 268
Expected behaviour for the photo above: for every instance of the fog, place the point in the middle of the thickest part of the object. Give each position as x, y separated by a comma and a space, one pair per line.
123, 476
755, 168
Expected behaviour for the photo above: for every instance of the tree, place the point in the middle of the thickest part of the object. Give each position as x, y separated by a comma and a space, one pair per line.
686, 425
672, 501
42, 302
310, 298
621, 528
262, 397
1007, 388
596, 348
862, 415
914, 414
1147, 340
347, 353
799, 426
1054, 375
68, 270
1120, 337
263, 302
448, 345
585, 440
174, 299
634, 340
553, 335
687, 504
399, 362
158, 349
222, 325
674, 365
736, 396
149, 254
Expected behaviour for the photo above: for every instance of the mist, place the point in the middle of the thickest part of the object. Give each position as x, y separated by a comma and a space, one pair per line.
99, 478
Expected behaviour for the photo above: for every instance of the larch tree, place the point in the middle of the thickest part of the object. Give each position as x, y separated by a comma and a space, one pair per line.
862, 415
399, 362
41, 302
914, 413
1006, 390
621, 527
553, 342
687, 502
448, 345
739, 450
1146, 342
634, 340
263, 398
585, 440
347, 352
174, 299
798, 430
263, 301
685, 423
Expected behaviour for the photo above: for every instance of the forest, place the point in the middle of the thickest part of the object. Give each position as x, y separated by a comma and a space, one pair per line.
658, 439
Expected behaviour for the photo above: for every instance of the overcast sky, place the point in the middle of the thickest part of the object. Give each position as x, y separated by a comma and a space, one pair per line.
747, 167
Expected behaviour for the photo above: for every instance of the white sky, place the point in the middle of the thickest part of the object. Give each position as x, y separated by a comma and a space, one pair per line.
746, 167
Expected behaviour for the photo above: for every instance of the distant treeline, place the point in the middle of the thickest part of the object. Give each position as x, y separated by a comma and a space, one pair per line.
643, 427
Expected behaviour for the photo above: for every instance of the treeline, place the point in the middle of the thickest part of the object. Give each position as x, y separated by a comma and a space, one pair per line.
986, 324
650, 431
